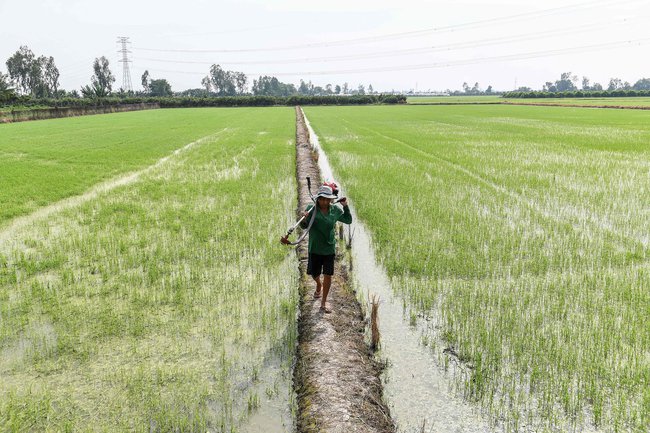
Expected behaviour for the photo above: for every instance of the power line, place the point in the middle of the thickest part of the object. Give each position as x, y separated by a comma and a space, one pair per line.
401, 35
510, 57
434, 48
224, 32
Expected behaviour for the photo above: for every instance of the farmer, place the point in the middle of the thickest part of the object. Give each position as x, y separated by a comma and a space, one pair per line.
322, 242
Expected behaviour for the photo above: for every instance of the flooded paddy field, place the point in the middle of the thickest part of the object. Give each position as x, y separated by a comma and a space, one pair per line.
143, 287
158, 302
516, 243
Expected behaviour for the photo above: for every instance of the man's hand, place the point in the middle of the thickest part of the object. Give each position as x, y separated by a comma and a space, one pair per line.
344, 201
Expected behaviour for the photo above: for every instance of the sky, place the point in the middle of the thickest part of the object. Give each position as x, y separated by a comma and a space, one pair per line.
392, 45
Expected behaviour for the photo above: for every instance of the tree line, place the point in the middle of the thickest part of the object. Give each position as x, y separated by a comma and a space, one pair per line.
567, 86
32, 77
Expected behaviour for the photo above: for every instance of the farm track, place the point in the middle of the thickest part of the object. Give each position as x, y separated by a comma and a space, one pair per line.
531, 204
8, 232
336, 377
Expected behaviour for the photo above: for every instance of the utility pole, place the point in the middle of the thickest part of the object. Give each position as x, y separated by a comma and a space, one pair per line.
126, 74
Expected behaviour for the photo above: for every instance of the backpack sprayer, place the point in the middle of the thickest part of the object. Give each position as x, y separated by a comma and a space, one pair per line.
335, 190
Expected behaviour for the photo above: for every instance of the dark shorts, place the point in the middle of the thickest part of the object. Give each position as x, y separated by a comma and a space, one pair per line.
318, 264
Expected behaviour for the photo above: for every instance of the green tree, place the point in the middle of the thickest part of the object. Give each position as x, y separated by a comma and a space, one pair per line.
160, 88
370, 89
566, 83
94, 91
51, 77
271, 86
7, 93
145, 81
615, 84
222, 81
241, 81
549, 87
207, 84
20, 68
303, 88
642, 84
361, 89
337, 89
585, 84
37, 77
103, 78
346, 89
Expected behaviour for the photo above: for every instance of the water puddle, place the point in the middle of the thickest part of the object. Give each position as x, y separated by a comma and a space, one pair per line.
416, 387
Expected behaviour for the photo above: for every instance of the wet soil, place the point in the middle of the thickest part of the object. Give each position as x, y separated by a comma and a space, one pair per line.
336, 377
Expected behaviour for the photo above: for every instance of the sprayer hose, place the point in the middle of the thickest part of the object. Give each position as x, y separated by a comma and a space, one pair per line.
305, 231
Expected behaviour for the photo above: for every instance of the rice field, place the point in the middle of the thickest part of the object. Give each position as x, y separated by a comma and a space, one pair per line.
45, 161
158, 304
163, 301
640, 101
453, 99
521, 235
492, 99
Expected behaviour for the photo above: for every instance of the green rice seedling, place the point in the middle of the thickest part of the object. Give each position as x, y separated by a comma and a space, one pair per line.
153, 306
522, 231
638, 101
45, 161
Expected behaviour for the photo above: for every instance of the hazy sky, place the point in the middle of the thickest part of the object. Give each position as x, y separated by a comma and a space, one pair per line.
397, 44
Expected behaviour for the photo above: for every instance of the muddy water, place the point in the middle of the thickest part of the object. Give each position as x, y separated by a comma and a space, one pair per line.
274, 413
416, 388
323, 162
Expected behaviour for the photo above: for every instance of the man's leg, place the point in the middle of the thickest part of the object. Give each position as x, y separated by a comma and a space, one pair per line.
319, 286
327, 282
314, 266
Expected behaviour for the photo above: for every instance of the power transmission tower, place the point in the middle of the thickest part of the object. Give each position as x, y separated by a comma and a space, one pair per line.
126, 74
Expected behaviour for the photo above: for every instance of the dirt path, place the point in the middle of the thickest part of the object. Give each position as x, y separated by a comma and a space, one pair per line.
336, 376
8, 232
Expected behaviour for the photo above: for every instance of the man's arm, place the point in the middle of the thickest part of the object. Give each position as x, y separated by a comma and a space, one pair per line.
305, 222
346, 217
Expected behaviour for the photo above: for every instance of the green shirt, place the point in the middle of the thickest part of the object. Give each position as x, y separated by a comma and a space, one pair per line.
321, 235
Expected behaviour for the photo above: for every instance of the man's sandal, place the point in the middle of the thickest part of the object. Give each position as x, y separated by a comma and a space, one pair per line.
325, 310
317, 294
